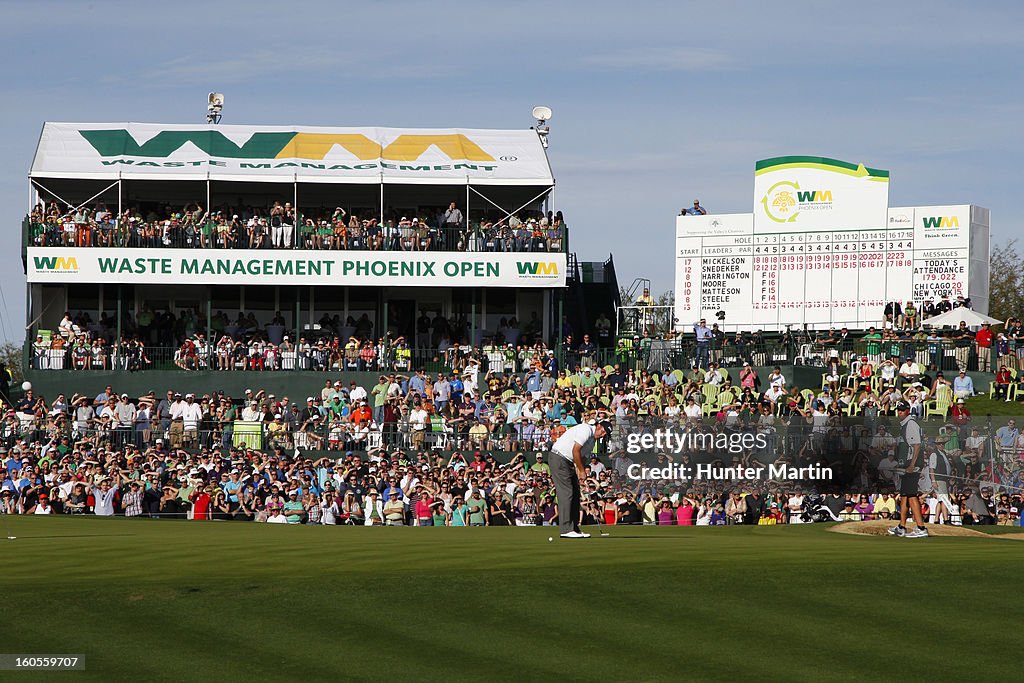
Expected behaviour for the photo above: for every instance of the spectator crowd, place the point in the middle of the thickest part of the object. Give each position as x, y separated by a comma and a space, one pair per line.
165, 340
419, 448
282, 226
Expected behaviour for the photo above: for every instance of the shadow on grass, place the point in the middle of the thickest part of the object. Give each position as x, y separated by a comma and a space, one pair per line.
649, 538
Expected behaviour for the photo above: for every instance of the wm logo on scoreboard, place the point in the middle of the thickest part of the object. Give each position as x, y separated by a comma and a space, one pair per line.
55, 264
941, 221
786, 199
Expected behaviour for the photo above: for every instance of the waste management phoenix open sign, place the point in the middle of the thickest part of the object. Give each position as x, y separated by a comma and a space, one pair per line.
250, 267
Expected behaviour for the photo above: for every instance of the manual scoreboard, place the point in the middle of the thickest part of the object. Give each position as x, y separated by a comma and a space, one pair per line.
770, 276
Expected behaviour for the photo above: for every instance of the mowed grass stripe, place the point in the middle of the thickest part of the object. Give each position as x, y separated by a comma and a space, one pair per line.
189, 601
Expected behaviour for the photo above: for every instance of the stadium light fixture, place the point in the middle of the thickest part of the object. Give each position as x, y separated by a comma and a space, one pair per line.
542, 114
214, 107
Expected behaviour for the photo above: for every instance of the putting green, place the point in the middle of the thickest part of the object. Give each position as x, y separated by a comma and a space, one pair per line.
179, 600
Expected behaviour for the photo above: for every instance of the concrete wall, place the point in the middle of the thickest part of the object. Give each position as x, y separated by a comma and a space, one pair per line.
49, 383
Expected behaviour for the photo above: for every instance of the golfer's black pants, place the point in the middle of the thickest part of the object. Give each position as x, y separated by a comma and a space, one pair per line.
567, 490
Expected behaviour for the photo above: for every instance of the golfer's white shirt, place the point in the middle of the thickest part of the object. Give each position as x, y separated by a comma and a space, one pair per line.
580, 434
912, 431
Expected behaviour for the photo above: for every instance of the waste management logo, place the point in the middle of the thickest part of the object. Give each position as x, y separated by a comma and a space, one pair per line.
116, 145
940, 222
537, 269
786, 199
56, 264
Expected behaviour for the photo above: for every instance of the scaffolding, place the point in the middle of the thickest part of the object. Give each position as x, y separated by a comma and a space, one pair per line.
643, 321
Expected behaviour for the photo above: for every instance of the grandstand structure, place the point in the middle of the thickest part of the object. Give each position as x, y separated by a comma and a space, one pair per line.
189, 234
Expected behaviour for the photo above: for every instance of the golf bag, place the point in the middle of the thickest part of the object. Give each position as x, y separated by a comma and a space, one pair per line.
815, 510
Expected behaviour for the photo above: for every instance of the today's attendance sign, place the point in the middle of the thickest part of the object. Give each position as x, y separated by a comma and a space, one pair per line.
384, 268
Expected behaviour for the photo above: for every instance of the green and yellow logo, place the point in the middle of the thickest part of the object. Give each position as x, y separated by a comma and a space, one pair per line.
785, 200
288, 145
814, 196
55, 264
940, 221
537, 268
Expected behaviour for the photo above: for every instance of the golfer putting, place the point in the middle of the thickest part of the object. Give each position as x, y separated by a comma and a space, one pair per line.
568, 468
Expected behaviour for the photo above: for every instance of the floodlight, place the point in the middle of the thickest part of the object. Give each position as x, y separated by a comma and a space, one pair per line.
214, 107
542, 113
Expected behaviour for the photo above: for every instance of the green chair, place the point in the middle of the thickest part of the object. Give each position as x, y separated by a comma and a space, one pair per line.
939, 405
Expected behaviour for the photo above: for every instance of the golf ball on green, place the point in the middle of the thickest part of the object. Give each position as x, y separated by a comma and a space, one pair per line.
551, 539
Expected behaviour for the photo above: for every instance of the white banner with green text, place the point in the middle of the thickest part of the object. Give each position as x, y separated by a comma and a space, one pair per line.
305, 267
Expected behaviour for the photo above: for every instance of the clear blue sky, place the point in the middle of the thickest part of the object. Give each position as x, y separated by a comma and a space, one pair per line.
655, 103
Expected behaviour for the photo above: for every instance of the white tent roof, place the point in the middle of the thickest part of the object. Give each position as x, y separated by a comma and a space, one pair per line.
144, 151
960, 314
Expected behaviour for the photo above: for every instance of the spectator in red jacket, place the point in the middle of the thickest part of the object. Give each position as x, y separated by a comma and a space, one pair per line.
1003, 380
201, 503
984, 340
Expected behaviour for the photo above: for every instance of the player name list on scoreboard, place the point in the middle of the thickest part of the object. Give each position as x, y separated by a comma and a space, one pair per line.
819, 278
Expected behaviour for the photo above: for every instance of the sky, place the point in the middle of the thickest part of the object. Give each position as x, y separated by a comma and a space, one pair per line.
655, 103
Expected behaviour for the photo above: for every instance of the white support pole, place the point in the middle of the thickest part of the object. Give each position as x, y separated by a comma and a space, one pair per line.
208, 207
295, 209
382, 201
120, 197
467, 203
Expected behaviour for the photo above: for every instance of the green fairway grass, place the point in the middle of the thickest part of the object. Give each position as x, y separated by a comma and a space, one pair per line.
174, 601
980, 406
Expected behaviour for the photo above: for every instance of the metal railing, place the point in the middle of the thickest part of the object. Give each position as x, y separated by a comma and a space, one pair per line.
267, 357
175, 235
948, 355
648, 354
